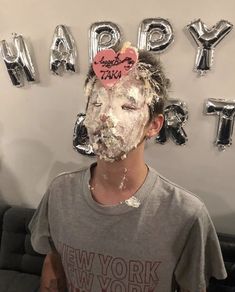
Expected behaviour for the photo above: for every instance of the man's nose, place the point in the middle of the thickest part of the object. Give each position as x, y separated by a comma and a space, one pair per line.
103, 117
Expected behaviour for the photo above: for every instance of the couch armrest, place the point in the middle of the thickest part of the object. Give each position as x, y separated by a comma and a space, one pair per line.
16, 251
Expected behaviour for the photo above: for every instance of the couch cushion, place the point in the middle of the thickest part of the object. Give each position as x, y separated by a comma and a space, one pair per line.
12, 281
3, 209
16, 250
227, 243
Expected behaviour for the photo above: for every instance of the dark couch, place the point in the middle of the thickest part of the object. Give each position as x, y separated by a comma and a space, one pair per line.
20, 265
227, 243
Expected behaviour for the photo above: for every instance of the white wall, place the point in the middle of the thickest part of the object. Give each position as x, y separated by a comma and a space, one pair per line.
36, 122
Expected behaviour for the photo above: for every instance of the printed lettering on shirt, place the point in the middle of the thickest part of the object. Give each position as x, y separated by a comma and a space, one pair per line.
85, 270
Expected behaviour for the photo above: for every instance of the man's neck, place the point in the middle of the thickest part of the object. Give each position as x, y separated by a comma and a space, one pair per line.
112, 182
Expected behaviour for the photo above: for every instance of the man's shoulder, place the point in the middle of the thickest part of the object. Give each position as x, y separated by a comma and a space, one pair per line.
67, 178
179, 190
176, 197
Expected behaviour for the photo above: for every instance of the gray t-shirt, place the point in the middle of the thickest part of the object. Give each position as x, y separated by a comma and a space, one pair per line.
166, 241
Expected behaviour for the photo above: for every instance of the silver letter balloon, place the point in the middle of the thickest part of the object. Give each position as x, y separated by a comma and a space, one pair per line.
80, 137
103, 35
63, 51
155, 34
207, 40
225, 109
18, 63
175, 116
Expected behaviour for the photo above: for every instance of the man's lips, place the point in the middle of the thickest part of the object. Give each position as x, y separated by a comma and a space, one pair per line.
100, 135
97, 132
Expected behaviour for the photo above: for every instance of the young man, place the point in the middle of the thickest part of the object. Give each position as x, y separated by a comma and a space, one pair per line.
119, 226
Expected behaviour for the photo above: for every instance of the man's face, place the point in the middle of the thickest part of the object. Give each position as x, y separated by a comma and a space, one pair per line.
115, 118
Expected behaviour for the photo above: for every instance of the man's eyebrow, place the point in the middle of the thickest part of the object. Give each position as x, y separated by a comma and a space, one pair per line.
132, 99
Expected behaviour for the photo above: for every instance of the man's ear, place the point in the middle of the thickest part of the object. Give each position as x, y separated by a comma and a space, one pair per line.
155, 126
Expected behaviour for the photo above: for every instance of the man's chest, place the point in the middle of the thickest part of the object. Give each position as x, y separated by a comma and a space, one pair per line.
116, 254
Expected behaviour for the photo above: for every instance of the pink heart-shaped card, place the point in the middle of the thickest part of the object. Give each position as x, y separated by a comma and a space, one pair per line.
110, 66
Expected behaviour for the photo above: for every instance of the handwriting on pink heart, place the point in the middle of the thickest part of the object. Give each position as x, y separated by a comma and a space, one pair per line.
110, 66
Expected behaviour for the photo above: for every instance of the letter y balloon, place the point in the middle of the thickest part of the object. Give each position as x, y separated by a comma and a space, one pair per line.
207, 40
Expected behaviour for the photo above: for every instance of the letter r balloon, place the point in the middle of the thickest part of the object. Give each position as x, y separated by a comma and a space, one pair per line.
175, 116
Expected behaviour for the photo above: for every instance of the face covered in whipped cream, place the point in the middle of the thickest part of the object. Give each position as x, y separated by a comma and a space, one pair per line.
116, 117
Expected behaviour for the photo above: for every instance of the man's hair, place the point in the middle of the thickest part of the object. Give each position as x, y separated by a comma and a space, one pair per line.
150, 71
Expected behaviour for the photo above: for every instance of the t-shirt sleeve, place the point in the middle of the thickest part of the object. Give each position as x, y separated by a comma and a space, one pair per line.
39, 227
201, 257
